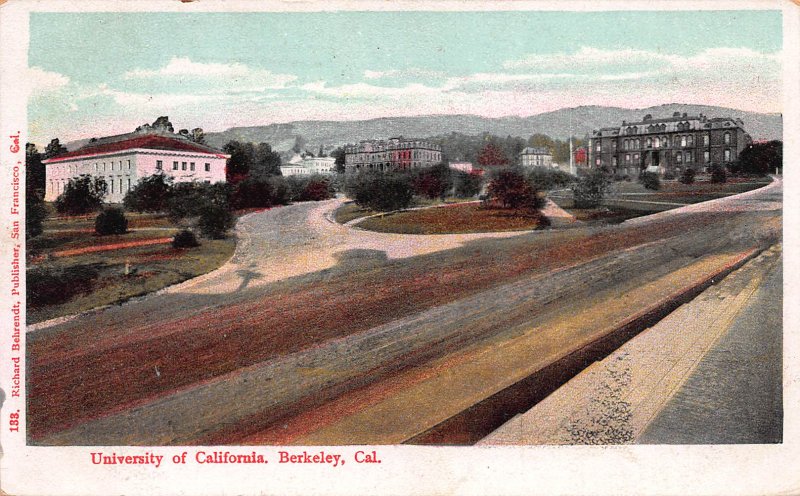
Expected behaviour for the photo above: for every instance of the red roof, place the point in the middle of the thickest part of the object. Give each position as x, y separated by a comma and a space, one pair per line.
148, 141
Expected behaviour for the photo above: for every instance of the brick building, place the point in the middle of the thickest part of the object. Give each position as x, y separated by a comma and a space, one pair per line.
668, 145
394, 153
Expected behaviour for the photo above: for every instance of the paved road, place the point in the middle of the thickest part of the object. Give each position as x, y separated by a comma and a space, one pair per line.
298, 281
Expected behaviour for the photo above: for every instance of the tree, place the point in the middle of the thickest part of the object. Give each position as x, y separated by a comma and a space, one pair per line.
240, 161
35, 213
55, 148
511, 189
151, 194
321, 152
82, 195
162, 124
466, 184
339, 155
491, 155
215, 220
761, 158
299, 144
198, 136
34, 169
590, 190
266, 162
433, 182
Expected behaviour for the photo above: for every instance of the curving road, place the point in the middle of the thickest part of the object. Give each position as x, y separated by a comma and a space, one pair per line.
306, 308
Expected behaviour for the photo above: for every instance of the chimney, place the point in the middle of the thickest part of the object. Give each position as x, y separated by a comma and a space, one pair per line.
676, 114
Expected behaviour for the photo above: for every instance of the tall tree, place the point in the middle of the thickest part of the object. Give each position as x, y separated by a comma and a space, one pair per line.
34, 168
240, 162
198, 136
338, 164
54, 148
266, 162
492, 155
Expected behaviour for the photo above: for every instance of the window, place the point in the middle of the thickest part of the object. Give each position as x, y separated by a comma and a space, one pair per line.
120, 180
191, 166
159, 165
183, 165
129, 165
129, 184
627, 157
727, 155
598, 146
174, 165
727, 138
636, 157
597, 162
706, 157
683, 140
657, 142
96, 168
614, 161
679, 158
689, 157
690, 140
649, 142
705, 139
208, 167
112, 186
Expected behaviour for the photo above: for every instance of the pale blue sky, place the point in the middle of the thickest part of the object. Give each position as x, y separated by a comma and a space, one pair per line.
100, 73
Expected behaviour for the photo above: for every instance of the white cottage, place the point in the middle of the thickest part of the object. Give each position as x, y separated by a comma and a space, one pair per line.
124, 159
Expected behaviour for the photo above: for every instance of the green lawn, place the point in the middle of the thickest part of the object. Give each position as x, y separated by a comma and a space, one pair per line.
84, 281
456, 219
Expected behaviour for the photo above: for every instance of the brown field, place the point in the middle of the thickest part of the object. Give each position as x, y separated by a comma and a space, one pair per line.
453, 219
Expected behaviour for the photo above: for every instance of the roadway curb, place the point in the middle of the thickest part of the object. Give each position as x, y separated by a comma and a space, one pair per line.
480, 419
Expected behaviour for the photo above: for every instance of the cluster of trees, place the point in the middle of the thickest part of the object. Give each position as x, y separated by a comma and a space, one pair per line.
249, 160
490, 150
759, 159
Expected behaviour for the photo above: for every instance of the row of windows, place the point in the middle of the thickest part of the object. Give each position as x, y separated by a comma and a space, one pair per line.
160, 166
659, 141
75, 169
680, 157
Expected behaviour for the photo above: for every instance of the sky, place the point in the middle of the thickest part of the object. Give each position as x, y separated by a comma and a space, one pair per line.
96, 74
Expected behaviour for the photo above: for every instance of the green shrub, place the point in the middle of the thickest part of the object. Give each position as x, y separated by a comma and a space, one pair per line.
669, 176
382, 191
151, 194
650, 180
432, 182
718, 174
111, 221
53, 285
215, 220
545, 179
687, 176
35, 214
82, 195
590, 189
185, 239
466, 184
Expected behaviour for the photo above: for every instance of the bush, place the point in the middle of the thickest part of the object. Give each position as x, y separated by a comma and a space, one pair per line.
545, 179
511, 189
53, 285
466, 184
383, 191
687, 176
82, 195
718, 174
151, 194
318, 190
214, 220
111, 221
590, 189
650, 180
185, 239
188, 199
669, 176
252, 193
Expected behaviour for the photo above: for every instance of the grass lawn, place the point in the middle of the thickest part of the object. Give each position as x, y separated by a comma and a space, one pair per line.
350, 211
99, 278
467, 218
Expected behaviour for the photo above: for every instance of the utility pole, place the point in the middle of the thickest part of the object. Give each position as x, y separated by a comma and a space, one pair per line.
571, 154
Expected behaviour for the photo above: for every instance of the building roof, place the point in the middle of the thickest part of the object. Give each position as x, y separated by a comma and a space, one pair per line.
120, 143
535, 151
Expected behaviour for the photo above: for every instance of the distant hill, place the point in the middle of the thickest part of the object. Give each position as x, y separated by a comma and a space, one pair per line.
556, 124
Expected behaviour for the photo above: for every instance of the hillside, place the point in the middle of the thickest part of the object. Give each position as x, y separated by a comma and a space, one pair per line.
556, 124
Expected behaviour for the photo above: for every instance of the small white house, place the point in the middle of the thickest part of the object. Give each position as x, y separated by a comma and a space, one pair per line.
309, 166
536, 157
462, 166
124, 159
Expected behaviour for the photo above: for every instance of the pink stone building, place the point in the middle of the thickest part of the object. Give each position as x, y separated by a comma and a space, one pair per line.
125, 159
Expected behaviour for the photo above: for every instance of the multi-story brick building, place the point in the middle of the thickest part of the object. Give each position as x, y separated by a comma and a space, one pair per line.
124, 159
668, 145
536, 157
391, 154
